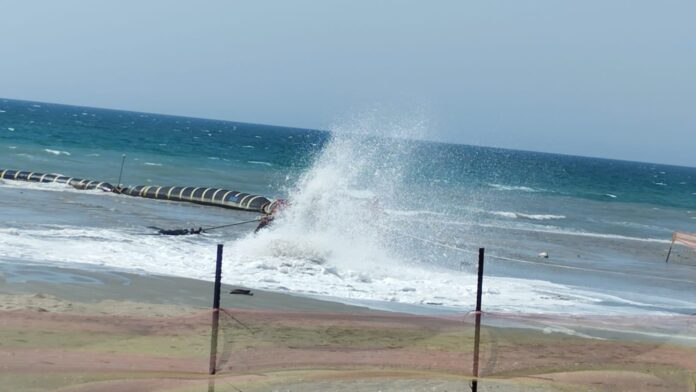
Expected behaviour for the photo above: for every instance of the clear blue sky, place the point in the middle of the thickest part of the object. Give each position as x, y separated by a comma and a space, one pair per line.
602, 78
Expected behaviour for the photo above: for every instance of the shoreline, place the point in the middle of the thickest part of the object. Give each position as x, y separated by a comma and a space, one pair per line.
92, 285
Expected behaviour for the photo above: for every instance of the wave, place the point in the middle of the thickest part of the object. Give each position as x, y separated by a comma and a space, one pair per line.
152, 164
502, 187
285, 267
570, 232
610, 195
260, 163
413, 213
555, 230
56, 152
519, 215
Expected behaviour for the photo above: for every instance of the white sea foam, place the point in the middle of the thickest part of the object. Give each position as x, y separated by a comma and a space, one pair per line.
502, 187
10, 129
260, 163
610, 195
56, 152
295, 265
409, 213
248, 147
152, 164
519, 215
570, 232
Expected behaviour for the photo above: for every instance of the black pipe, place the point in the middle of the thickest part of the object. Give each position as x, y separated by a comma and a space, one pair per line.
77, 183
199, 195
477, 331
216, 311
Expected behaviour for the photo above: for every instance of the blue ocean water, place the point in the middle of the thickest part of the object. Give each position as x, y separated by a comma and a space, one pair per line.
373, 216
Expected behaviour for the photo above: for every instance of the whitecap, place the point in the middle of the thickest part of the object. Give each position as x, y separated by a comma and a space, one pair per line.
10, 129
260, 163
56, 152
152, 164
502, 187
248, 147
610, 195
3, 111
567, 232
517, 215
660, 183
12, 147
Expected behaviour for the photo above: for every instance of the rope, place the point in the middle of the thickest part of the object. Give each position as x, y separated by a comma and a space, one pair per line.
177, 232
509, 259
229, 225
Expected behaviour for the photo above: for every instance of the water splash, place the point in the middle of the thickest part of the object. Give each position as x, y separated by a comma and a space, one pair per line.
336, 214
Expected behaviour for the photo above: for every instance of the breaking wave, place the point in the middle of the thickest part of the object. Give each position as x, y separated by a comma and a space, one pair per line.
519, 215
502, 187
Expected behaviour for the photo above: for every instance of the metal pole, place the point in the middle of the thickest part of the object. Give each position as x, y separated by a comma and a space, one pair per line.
670, 250
216, 310
477, 333
120, 173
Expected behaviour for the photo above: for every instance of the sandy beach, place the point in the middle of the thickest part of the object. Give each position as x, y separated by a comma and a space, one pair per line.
82, 330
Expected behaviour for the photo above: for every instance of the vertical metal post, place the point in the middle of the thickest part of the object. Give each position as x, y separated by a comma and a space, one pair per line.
477, 333
120, 173
669, 253
216, 310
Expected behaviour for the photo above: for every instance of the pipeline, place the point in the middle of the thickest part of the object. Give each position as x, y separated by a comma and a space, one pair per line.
76, 183
199, 195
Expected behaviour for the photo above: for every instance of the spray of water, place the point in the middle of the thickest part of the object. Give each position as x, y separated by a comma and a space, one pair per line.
336, 216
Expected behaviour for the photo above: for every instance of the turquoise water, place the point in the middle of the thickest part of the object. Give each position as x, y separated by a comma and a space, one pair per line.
365, 207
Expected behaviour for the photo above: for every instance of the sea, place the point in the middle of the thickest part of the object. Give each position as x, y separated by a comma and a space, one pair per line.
376, 215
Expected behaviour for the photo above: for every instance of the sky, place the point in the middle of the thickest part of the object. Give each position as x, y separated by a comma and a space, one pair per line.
614, 79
